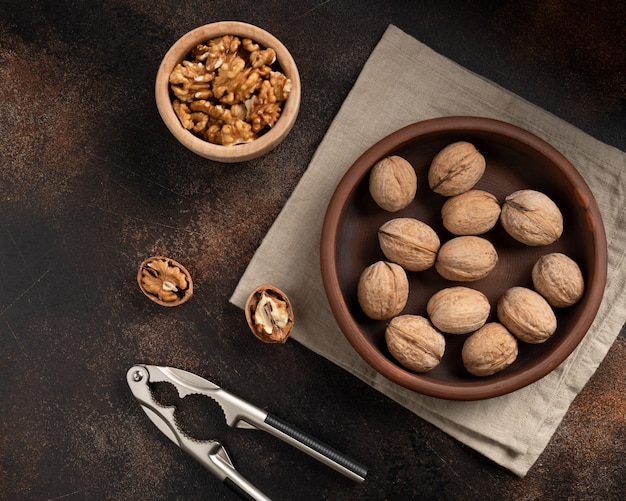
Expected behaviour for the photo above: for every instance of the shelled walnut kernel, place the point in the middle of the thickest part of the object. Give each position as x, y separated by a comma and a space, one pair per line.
229, 90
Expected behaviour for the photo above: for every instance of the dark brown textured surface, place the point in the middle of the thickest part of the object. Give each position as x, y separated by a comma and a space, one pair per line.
92, 183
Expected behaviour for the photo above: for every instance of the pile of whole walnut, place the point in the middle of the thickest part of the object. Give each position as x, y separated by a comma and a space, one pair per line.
228, 90
409, 245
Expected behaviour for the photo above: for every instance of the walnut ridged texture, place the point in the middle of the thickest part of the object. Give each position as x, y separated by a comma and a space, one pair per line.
383, 290
415, 343
458, 310
409, 242
456, 169
466, 259
393, 183
490, 349
531, 217
527, 315
471, 213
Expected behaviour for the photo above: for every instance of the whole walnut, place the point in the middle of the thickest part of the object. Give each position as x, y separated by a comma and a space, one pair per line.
383, 290
471, 213
458, 310
532, 218
490, 349
526, 314
393, 183
415, 343
558, 278
456, 169
409, 242
466, 258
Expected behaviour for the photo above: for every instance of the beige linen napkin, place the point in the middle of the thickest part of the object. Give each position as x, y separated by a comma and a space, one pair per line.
403, 82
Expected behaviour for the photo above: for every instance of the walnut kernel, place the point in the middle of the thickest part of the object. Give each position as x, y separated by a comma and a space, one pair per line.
164, 281
233, 89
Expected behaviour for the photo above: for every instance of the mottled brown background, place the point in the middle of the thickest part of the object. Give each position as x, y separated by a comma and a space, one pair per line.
91, 183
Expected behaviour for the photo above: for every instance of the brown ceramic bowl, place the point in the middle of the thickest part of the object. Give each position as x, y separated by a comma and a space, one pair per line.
516, 159
240, 152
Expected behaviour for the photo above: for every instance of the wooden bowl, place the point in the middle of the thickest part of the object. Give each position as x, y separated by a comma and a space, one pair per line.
240, 152
516, 159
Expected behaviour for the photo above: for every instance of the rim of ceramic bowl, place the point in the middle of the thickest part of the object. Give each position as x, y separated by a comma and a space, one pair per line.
240, 152
349, 326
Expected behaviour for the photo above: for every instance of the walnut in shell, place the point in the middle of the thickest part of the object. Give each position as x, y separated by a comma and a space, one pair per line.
269, 314
490, 349
558, 278
415, 343
532, 218
164, 281
383, 290
393, 183
526, 314
456, 169
458, 310
471, 213
466, 258
409, 242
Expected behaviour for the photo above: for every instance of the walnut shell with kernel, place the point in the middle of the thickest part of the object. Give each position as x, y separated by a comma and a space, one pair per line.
269, 314
532, 218
458, 310
490, 349
393, 183
165, 281
415, 343
466, 258
526, 314
409, 242
383, 290
471, 213
558, 278
456, 169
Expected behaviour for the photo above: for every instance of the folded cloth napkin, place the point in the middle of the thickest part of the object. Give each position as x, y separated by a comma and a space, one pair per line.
404, 82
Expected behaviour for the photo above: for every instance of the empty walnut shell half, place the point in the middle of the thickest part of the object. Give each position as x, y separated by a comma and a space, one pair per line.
269, 314
165, 281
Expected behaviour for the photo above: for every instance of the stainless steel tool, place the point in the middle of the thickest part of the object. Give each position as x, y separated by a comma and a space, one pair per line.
239, 414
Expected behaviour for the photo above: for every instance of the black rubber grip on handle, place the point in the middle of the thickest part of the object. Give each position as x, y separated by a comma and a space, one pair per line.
320, 447
237, 490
